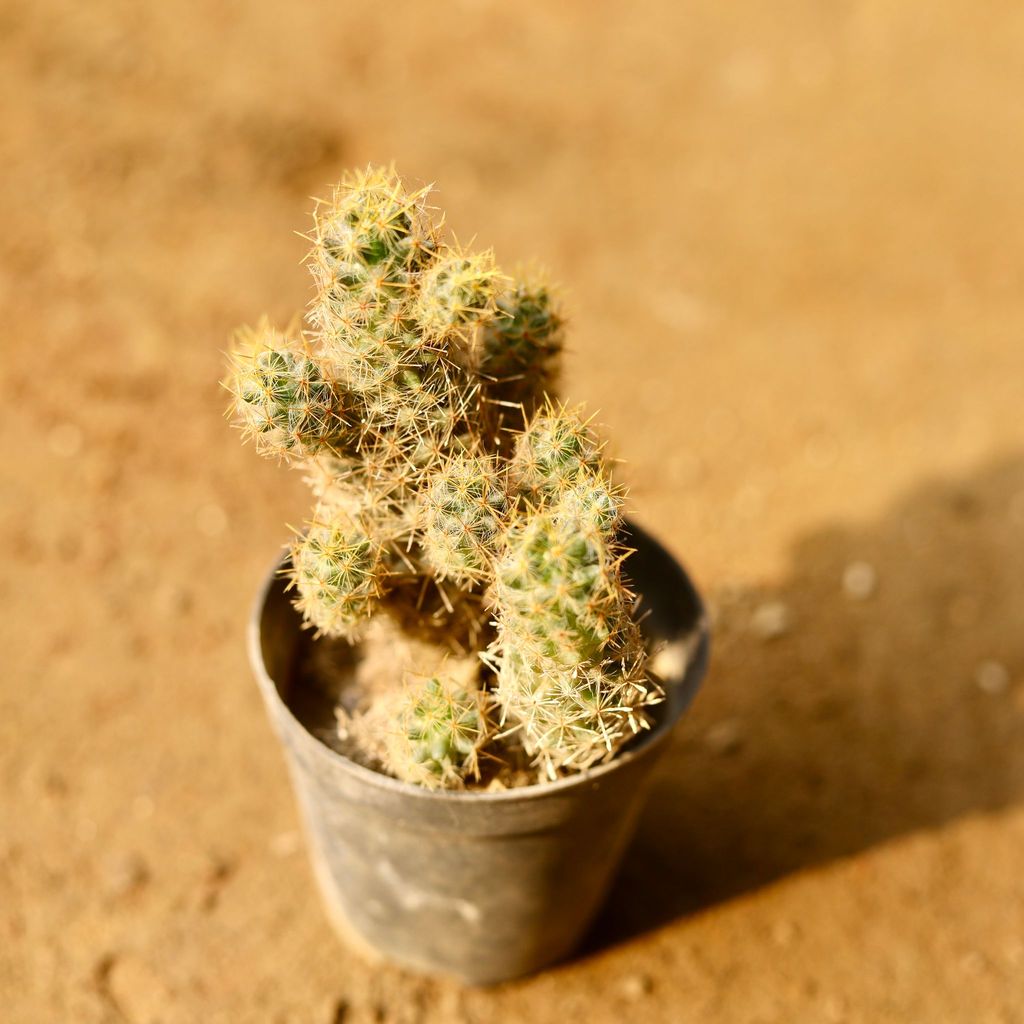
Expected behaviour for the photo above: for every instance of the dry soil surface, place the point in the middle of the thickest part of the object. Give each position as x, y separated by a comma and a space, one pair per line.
791, 237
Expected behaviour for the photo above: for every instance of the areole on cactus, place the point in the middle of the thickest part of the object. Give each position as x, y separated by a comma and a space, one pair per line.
454, 494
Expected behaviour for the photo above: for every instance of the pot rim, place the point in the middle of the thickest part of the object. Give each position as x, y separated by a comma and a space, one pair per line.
674, 704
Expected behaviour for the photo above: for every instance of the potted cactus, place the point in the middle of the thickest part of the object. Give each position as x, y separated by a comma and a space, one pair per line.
492, 656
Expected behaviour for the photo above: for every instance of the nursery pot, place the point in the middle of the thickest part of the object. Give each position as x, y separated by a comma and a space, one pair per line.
485, 886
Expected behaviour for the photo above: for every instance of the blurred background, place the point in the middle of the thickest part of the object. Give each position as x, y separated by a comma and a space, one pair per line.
790, 238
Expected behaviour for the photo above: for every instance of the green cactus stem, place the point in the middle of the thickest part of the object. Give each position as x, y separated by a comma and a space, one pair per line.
522, 345
550, 453
282, 398
338, 571
438, 734
464, 509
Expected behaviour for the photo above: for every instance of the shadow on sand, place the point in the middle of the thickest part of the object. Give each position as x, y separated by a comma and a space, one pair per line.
861, 723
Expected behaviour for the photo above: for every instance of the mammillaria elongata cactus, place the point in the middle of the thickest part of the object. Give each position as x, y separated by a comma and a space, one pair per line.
452, 493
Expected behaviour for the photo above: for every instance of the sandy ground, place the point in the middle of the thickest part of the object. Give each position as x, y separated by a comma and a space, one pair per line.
792, 240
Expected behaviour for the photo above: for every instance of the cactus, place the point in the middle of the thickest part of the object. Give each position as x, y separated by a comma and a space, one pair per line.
337, 570
454, 494
568, 654
281, 397
463, 513
437, 734
456, 292
550, 453
521, 345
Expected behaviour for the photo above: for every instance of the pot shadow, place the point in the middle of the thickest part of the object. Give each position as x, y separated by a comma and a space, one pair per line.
865, 720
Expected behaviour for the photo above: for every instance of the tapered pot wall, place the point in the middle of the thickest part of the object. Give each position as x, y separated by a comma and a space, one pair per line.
482, 886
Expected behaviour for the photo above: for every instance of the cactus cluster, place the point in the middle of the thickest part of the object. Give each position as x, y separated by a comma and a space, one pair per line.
453, 494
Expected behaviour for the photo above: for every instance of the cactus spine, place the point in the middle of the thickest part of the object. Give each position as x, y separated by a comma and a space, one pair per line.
453, 494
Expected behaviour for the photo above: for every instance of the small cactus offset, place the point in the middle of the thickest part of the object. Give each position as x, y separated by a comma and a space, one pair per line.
454, 495
437, 734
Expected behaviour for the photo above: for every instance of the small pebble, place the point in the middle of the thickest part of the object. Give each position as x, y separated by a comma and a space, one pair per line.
69, 547
963, 611
821, 451
65, 440
859, 580
784, 932
744, 75
55, 785
211, 519
680, 310
86, 830
284, 844
636, 986
992, 677
749, 501
973, 962
721, 424
770, 620
835, 1009
124, 874
1017, 508
137, 991
684, 469
173, 599
143, 807
725, 737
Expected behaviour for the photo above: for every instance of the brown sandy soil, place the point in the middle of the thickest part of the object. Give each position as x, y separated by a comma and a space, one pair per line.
792, 239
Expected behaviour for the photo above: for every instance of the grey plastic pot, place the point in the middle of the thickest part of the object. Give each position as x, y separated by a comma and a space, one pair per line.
483, 886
